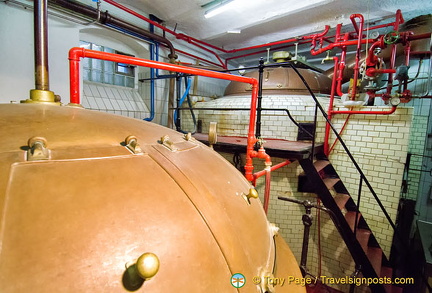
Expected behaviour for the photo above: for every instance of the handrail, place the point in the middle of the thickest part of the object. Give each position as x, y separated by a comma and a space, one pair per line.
342, 142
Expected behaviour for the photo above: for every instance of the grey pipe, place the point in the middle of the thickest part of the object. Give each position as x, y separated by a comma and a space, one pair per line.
41, 45
106, 18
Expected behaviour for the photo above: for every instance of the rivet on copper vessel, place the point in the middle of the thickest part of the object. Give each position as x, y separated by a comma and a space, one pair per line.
132, 144
188, 136
37, 149
165, 140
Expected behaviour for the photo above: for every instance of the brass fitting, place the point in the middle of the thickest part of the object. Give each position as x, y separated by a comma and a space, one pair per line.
42, 97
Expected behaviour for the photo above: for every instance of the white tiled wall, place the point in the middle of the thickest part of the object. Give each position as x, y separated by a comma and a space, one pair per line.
379, 143
114, 99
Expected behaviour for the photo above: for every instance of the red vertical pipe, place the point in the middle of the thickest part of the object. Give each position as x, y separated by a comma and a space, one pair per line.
74, 74
330, 107
76, 53
359, 43
399, 20
267, 190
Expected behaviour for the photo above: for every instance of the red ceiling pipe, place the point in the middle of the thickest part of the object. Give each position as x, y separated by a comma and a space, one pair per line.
340, 44
262, 51
198, 58
282, 42
194, 41
76, 53
179, 36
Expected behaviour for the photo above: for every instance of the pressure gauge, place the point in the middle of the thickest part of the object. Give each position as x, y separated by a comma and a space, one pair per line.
394, 101
374, 35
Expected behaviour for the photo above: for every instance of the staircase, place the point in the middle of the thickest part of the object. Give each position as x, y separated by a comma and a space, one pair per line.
321, 178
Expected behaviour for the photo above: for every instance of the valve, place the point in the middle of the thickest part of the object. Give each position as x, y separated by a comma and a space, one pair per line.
391, 37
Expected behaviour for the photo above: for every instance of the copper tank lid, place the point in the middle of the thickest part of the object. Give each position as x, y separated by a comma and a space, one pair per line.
283, 81
94, 202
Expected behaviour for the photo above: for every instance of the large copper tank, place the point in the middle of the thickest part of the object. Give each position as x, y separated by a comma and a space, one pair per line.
283, 81
80, 204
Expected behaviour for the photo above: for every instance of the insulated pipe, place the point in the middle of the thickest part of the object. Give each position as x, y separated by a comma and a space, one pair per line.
195, 42
76, 53
41, 45
177, 35
106, 18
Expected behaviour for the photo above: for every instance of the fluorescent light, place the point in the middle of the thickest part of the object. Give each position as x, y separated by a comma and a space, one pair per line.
234, 32
218, 8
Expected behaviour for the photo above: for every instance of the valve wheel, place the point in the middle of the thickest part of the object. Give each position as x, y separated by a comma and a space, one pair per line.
391, 37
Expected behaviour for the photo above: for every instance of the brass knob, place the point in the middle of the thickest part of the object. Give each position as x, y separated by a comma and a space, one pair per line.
252, 193
147, 265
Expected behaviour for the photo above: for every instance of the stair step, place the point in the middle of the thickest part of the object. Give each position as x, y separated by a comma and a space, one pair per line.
394, 289
341, 200
330, 182
321, 164
375, 257
350, 218
387, 272
362, 236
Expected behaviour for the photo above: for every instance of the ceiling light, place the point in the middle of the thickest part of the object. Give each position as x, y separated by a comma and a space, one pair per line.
216, 7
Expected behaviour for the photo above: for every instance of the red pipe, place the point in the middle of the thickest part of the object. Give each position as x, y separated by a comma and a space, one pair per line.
76, 53
372, 59
272, 168
267, 190
194, 41
330, 107
359, 43
199, 58
177, 35
373, 71
340, 44
391, 111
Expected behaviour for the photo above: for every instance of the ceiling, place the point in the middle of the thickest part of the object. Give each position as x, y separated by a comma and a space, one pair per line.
262, 21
